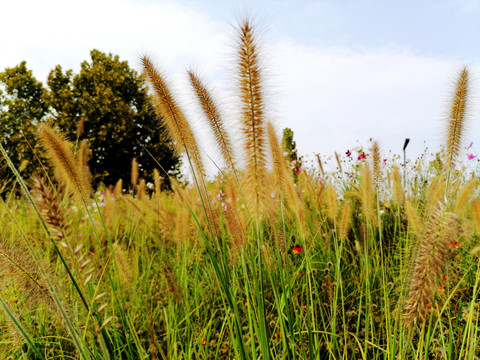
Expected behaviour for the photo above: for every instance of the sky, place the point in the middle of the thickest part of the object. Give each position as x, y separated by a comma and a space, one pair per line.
337, 72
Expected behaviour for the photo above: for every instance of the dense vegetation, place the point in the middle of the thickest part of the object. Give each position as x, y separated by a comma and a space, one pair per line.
270, 260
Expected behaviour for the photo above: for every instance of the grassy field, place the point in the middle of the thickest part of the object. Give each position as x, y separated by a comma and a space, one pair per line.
268, 260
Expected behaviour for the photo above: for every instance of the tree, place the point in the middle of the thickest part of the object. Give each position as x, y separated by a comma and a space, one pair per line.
111, 103
290, 147
22, 107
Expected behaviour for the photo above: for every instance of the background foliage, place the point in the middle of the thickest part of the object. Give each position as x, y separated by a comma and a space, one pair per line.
107, 98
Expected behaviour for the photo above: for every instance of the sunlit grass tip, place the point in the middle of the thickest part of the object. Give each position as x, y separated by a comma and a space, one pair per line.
67, 169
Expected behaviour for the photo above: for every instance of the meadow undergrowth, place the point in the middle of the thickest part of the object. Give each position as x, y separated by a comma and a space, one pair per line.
267, 260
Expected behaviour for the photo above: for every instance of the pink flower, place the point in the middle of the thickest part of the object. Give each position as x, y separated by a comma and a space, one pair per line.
298, 171
348, 153
362, 156
469, 146
471, 156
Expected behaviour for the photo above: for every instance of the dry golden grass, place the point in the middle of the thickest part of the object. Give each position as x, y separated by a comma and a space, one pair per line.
134, 173
398, 191
377, 163
214, 118
464, 195
82, 157
67, 169
331, 202
172, 117
476, 214
320, 164
279, 165
414, 219
456, 121
252, 115
367, 195
124, 265
435, 251
339, 163
50, 209
344, 223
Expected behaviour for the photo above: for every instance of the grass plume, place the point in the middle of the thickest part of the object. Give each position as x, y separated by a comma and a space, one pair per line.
456, 120
252, 112
279, 166
67, 169
50, 209
172, 117
435, 251
214, 118
320, 164
134, 173
376, 161
82, 158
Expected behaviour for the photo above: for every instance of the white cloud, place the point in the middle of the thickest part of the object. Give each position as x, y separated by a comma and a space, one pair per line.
330, 97
333, 97
54, 32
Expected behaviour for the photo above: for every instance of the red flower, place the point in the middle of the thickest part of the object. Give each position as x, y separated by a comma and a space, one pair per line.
348, 153
454, 243
204, 341
297, 249
362, 156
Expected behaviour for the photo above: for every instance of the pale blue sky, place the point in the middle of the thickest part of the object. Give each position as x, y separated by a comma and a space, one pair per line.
428, 27
338, 71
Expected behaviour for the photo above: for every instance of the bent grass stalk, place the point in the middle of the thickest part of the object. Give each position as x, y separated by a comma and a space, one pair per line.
79, 342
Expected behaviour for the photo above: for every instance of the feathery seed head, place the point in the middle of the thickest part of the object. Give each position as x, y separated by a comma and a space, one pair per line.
134, 173
456, 119
279, 167
377, 172
331, 202
252, 111
214, 118
435, 251
345, 219
320, 164
67, 169
172, 117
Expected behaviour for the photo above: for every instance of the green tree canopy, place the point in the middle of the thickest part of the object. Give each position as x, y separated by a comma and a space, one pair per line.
290, 147
111, 102
22, 107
